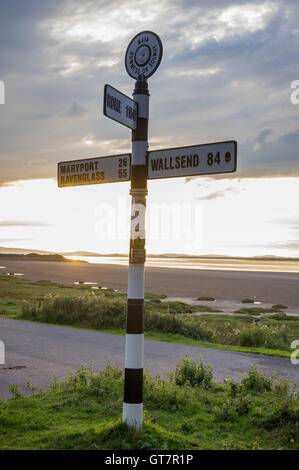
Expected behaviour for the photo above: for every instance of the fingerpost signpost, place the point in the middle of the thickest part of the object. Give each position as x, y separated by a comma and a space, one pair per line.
143, 57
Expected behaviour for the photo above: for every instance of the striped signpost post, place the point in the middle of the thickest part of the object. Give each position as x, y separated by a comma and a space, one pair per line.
143, 57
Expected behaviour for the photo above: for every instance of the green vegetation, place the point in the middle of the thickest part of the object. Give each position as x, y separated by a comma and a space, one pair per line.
283, 316
152, 296
279, 307
256, 310
248, 301
264, 336
15, 292
206, 298
186, 410
105, 310
188, 373
246, 331
102, 311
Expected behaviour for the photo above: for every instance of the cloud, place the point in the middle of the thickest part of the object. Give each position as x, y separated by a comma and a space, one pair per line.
221, 194
289, 244
36, 161
276, 157
225, 74
289, 220
75, 110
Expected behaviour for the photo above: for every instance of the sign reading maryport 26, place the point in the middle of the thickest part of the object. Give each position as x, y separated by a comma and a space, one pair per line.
120, 107
94, 170
206, 159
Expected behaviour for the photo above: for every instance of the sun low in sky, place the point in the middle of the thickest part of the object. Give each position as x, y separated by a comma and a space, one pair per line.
226, 74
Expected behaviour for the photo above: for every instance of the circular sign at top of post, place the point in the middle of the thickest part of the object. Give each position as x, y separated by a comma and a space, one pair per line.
144, 54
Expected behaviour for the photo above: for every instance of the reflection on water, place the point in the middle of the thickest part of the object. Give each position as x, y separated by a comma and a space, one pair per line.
197, 263
86, 283
93, 285
14, 274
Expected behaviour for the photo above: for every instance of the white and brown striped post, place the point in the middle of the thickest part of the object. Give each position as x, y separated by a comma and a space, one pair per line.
134, 355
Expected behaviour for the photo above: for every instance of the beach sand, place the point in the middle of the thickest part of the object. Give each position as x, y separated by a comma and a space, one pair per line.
272, 287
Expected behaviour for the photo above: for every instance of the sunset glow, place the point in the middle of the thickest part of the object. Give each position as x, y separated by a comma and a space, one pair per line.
246, 217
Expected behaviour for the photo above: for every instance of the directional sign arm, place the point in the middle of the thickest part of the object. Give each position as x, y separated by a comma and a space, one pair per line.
99, 170
120, 107
204, 159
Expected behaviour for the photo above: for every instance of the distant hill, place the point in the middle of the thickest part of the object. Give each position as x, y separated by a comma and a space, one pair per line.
81, 253
32, 252
211, 256
23, 251
35, 257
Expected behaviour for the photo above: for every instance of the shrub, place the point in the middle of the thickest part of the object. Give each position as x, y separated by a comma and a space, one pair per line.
90, 383
226, 412
247, 301
187, 372
189, 327
89, 310
231, 409
243, 405
279, 306
234, 388
166, 395
283, 387
263, 336
15, 390
280, 413
256, 381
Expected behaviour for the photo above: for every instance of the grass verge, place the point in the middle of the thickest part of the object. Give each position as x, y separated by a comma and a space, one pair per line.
188, 410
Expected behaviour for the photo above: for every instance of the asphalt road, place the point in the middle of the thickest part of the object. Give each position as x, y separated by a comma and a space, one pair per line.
272, 287
36, 352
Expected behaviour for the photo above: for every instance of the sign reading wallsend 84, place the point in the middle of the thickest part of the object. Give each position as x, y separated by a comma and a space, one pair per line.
206, 159
97, 170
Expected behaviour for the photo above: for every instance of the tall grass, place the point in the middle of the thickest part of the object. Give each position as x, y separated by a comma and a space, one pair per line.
272, 338
89, 310
110, 313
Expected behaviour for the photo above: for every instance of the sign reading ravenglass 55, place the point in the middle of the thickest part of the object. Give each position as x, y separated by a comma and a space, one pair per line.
97, 170
206, 159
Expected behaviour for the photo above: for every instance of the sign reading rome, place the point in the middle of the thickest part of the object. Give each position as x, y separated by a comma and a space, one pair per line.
144, 54
205, 159
94, 170
120, 107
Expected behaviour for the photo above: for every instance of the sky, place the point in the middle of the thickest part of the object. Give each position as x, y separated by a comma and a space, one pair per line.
228, 72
